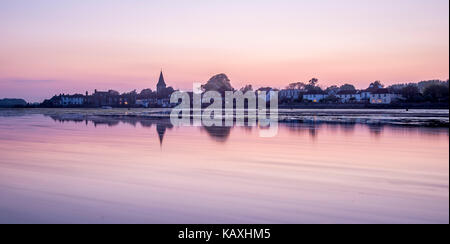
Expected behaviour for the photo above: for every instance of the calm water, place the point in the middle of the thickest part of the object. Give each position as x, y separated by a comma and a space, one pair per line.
132, 171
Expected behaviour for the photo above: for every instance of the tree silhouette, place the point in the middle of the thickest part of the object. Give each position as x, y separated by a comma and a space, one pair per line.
347, 87
376, 84
246, 88
313, 81
297, 85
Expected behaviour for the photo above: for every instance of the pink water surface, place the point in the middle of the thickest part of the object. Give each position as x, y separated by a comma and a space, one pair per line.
81, 172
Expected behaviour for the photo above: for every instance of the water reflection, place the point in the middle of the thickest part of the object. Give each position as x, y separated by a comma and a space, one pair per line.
161, 125
222, 133
218, 133
161, 129
125, 169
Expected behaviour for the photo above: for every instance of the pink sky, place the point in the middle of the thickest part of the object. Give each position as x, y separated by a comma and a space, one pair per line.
51, 47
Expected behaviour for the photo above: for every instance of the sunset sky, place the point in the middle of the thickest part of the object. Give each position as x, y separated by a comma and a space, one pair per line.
49, 47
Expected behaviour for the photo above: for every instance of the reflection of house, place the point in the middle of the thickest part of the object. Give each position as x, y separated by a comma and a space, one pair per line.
314, 96
162, 125
383, 96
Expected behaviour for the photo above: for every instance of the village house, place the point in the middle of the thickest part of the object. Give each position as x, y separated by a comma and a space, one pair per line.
349, 96
383, 96
146, 102
270, 94
290, 94
72, 100
314, 96
104, 98
164, 102
365, 94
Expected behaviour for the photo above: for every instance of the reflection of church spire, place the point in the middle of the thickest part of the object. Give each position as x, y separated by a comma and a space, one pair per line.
161, 129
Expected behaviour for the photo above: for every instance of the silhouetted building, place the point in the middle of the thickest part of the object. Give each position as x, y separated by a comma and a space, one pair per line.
102, 98
161, 86
111, 98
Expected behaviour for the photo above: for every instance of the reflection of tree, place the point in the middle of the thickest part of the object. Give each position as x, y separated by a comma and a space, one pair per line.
218, 133
304, 128
147, 123
348, 128
162, 124
299, 128
108, 123
98, 120
313, 132
333, 127
376, 130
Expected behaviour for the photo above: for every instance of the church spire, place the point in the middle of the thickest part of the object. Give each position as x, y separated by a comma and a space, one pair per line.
161, 86
161, 82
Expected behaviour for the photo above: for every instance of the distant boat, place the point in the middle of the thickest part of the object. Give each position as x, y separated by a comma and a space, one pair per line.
106, 107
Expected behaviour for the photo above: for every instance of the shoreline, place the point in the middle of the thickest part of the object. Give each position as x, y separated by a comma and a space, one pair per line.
399, 117
365, 106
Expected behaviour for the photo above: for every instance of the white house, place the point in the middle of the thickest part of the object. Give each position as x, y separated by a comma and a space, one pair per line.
383, 96
271, 94
314, 96
365, 94
349, 96
144, 102
72, 100
149, 102
165, 102
290, 94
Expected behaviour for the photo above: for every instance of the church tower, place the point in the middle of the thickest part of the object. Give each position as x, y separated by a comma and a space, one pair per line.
161, 84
